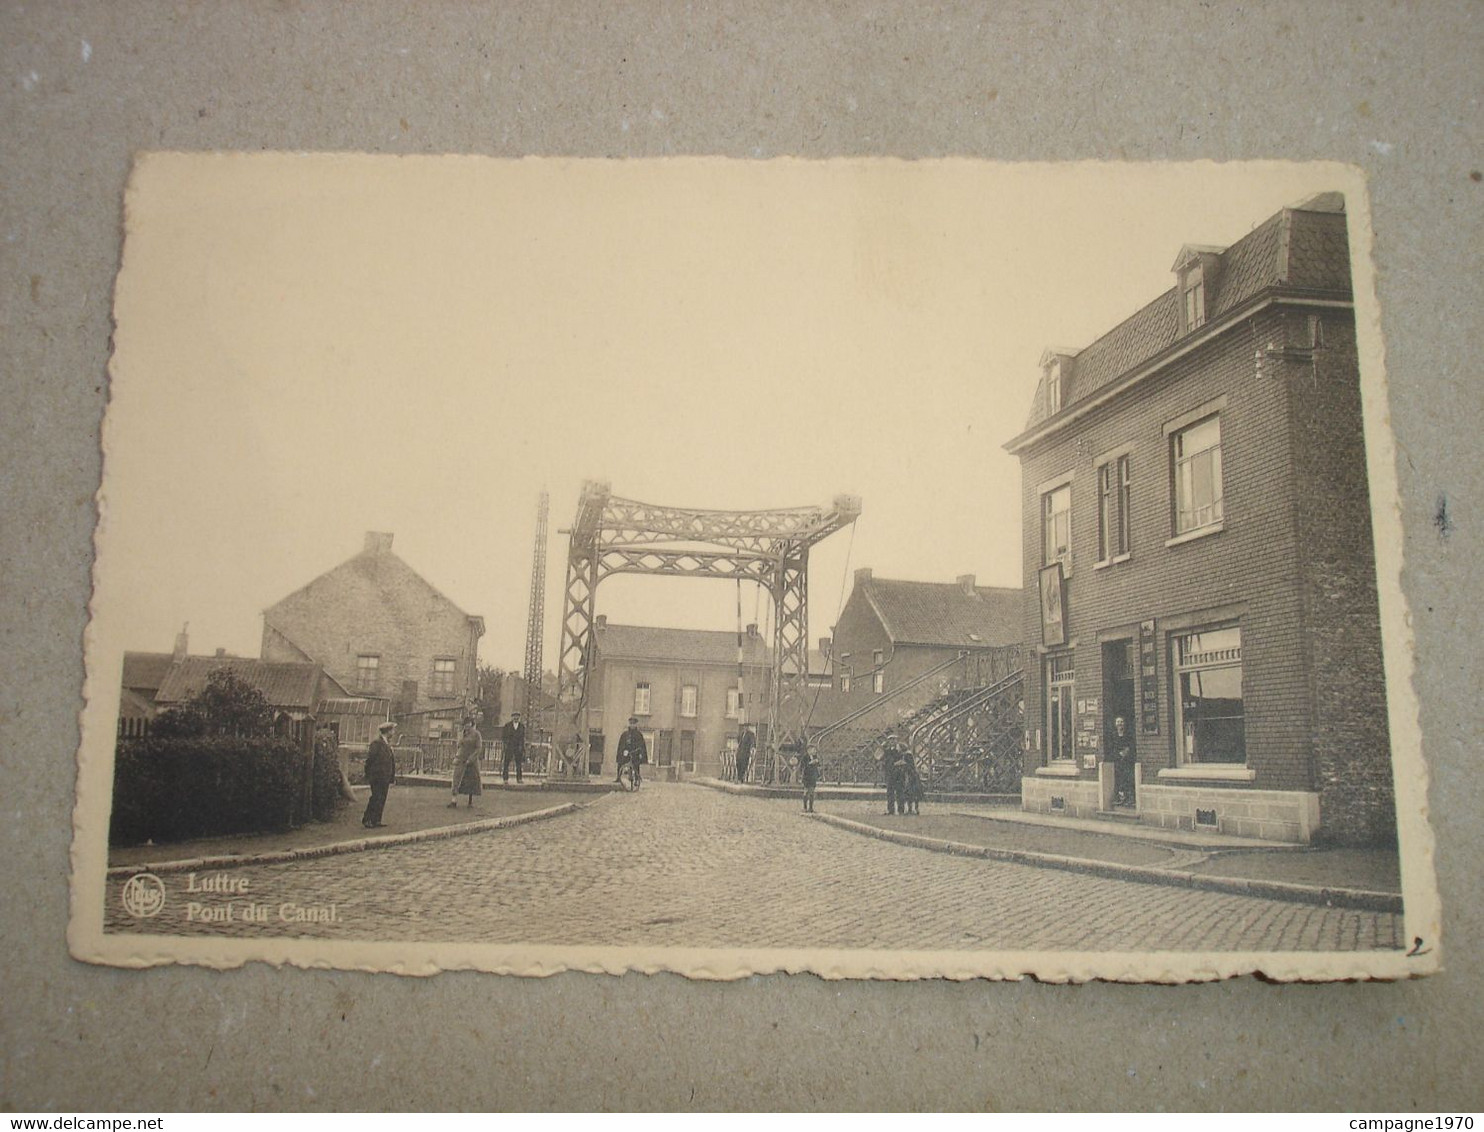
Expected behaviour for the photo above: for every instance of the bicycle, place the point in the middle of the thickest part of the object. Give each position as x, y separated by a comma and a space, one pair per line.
627, 779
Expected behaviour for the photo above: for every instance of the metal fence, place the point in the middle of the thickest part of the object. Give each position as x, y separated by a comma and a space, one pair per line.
437, 757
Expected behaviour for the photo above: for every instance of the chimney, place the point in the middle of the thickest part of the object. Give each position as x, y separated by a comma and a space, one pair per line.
966, 583
378, 542
824, 645
182, 644
752, 629
221, 653
863, 574
600, 621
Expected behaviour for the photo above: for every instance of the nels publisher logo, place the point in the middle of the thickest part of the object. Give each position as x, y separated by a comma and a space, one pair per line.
143, 895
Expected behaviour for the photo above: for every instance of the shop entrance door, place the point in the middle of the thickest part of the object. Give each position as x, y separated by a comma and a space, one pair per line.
1118, 703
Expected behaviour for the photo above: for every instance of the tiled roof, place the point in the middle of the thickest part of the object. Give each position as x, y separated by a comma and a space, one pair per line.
283, 684
946, 613
146, 669
1303, 249
695, 646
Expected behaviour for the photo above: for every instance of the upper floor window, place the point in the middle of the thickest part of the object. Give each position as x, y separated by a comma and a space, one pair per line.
368, 672
641, 698
689, 694
1056, 527
1209, 708
734, 703
1196, 452
1113, 508
1193, 292
443, 676
1053, 387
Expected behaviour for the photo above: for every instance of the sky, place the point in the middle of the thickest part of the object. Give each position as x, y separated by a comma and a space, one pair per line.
309, 347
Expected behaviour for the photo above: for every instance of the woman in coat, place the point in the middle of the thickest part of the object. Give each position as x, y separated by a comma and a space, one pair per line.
466, 778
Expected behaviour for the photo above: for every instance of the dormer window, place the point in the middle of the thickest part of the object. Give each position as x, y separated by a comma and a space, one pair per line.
1056, 375
1193, 291
1196, 269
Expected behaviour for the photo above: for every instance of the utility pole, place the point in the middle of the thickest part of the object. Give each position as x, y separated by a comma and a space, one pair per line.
535, 626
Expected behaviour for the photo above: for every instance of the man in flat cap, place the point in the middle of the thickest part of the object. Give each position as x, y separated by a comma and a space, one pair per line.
513, 740
381, 770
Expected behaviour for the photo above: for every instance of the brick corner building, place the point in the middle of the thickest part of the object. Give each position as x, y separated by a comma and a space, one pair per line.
1199, 557
382, 630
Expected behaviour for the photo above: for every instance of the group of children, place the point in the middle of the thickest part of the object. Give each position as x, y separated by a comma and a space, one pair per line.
903, 784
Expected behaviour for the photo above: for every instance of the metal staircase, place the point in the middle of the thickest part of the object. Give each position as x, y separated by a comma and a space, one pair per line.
966, 740
975, 745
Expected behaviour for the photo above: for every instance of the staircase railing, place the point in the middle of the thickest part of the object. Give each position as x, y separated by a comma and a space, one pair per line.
860, 760
879, 701
977, 744
965, 740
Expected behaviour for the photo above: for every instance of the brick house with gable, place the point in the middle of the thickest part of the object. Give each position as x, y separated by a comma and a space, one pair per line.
382, 630
1199, 557
901, 644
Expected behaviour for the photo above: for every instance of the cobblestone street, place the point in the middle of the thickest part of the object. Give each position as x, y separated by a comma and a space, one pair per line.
685, 866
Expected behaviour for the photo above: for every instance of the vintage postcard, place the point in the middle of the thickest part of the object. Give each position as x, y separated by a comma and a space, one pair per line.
871, 568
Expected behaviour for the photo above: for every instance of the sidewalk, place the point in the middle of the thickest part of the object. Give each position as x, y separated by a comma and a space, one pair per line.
1367, 878
411, 811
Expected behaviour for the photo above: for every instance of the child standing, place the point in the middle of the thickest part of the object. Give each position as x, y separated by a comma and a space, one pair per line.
809, 772
912, 794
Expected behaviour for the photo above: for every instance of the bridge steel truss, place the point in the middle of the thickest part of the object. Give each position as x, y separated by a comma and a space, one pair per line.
612, 535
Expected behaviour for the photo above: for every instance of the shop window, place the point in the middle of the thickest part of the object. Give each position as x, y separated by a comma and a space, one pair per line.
1056, 527
1060, 680
1113, 509
1196, 455
1209, 707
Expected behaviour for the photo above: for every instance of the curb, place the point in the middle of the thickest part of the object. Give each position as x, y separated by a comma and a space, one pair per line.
835, 793
1355, 898
334, 849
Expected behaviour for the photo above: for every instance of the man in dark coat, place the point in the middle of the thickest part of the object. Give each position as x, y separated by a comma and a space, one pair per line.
632, 749
746, 744
894, 763
381, 769
1123, 763
513, 739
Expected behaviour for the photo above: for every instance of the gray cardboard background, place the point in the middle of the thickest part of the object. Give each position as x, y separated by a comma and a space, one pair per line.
1395, 90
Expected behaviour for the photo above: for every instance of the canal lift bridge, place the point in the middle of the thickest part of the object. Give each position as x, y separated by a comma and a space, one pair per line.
612, 535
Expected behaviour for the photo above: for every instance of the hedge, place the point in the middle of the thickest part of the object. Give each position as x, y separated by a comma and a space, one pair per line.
327, 797
176, 788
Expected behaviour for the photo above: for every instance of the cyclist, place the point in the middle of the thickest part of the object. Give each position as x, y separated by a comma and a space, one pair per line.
632, 750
